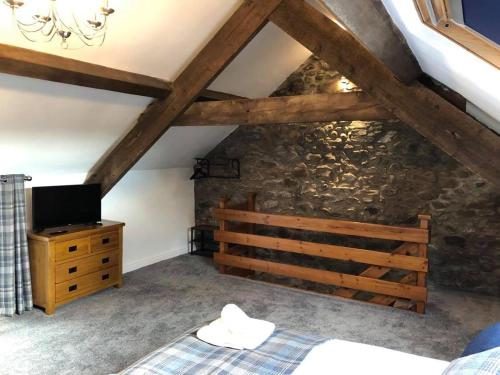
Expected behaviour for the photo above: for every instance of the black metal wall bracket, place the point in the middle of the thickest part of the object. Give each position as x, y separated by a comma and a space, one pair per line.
204, 168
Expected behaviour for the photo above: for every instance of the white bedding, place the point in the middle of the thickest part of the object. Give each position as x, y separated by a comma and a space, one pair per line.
345, 358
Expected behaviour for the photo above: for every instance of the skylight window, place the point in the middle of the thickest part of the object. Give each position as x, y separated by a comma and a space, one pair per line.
483, 17
470, 23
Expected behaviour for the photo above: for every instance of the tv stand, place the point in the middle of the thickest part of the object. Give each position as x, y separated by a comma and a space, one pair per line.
72, 262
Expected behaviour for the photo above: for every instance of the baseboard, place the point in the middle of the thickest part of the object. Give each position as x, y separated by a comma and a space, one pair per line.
136, 264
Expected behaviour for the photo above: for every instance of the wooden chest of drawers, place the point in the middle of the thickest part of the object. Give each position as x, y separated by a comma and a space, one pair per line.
74, 264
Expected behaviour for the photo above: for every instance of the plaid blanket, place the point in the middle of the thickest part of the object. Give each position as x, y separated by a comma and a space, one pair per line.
483, 363
280, 354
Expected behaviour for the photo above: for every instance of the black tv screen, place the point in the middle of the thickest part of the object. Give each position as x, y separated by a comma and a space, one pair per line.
55, 206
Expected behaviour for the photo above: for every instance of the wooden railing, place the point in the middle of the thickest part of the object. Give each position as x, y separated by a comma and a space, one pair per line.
409, 291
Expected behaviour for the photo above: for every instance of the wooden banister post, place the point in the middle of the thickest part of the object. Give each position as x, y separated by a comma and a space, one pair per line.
251, 207
251, 201
223, 246
422, 252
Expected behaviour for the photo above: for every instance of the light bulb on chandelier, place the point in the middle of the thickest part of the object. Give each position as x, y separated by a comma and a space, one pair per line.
76, 22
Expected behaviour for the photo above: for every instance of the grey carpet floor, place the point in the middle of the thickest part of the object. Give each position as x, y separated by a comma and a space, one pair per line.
107, 331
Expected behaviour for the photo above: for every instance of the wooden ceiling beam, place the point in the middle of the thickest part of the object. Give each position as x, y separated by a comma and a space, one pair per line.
356, 106
210, 95
454, 132
234, 35
33, 64
445, 92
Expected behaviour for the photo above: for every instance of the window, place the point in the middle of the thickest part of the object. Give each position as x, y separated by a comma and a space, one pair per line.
463, 22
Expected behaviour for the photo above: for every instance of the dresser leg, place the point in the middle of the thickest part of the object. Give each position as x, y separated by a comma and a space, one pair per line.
119, 284
50, 309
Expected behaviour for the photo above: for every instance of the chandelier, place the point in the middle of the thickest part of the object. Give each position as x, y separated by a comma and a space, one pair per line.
77, 23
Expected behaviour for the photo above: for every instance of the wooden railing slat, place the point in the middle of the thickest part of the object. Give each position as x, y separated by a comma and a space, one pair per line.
389, 288
324, 250
380, 299
377, 272
386, 232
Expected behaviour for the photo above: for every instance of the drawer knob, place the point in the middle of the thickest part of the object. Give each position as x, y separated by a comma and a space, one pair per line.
72, 248
72, 269
105, 260
105, 276
105, 241
72, 288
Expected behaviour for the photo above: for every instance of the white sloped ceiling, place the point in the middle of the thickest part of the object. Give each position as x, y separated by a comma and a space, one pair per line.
53, 128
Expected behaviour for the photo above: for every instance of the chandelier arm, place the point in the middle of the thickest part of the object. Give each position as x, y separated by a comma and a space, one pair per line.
103, 38
92, 29
88, 41
19, 22
50, 32
83, 33
25, 27
23, 33
27, 24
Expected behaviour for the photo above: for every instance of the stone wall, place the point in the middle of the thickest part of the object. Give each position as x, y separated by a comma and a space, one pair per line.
381, 172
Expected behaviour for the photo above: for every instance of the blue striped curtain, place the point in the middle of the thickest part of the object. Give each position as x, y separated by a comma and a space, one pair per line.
15, 278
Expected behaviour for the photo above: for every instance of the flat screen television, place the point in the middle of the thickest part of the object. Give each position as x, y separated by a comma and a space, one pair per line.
56, 206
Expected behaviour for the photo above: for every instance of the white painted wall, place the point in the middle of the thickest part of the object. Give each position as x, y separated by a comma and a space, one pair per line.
157, 207
178, 147
48, 127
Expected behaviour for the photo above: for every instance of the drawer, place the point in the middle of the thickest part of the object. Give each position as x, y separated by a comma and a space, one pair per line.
72, 249
104, 241
86, 284
75, 268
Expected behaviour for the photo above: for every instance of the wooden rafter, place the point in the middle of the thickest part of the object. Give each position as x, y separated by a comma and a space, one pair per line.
33, 64
445, 92
209, 95
287, 109
456, 133
248, 19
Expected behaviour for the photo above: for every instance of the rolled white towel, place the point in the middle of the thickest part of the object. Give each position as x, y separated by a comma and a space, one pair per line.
235, 329
216, 333
245, 331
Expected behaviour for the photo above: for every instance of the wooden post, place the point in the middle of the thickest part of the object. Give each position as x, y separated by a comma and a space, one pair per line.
422, 252
251, 207
223, 246
251, 227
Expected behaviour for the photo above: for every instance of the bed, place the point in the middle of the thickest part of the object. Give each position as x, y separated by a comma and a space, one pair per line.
285, 352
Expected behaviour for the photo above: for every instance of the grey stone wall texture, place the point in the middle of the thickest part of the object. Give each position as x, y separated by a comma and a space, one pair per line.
379, 172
